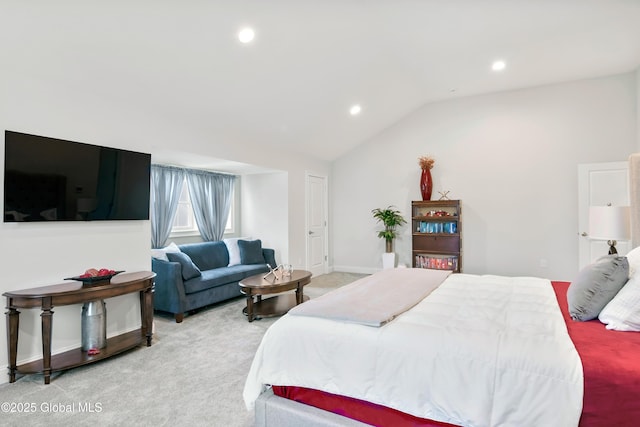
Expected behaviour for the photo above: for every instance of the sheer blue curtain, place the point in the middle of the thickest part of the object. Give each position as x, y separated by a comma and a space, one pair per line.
211, 195
166, 185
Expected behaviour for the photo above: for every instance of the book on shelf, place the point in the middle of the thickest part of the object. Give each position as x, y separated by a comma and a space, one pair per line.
437, 262
437, 227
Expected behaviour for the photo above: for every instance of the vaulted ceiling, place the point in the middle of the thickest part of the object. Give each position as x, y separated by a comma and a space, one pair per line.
311, 60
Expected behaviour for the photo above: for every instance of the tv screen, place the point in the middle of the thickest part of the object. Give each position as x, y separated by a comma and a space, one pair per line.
48, 179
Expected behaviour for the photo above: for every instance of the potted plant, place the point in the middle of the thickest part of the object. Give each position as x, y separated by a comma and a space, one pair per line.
390, 218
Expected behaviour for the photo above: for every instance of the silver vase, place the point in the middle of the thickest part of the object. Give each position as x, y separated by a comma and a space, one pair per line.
94, 325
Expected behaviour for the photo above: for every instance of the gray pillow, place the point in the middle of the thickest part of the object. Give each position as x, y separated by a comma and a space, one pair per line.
189, 269
251, 252
596, 285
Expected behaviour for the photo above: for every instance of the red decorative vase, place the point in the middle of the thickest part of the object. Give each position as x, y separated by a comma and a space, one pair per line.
426, 184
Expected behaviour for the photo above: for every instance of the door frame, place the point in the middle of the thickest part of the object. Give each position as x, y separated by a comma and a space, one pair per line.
325, 202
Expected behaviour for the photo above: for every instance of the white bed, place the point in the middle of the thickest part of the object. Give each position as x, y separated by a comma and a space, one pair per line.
508, 361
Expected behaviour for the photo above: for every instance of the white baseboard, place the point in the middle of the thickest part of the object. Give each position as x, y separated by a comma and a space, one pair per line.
354, 269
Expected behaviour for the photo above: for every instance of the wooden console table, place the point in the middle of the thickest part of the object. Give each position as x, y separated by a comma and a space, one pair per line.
74, 292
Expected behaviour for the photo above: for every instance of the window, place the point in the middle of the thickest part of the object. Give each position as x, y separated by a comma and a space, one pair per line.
184, 223
229, 227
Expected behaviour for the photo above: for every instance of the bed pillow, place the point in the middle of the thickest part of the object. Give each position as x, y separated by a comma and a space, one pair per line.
162, 253
251, 252
634, 261
596, 285
233, 249
623, 311
189, 269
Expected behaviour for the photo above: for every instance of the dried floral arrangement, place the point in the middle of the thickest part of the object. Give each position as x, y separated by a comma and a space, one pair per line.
426, 162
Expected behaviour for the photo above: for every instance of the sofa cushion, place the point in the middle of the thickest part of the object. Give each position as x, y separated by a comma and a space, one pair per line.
189, 269
162, 252
248, 269
207, 255
212, 278
233, 249
251, 252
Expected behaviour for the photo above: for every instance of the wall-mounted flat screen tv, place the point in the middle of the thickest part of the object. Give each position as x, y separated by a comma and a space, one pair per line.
48, 179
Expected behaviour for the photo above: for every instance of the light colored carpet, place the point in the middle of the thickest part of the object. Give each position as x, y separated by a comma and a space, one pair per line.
193, 374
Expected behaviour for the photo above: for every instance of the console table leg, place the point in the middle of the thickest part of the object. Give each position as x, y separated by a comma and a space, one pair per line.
47, 318
146, 314
13, 320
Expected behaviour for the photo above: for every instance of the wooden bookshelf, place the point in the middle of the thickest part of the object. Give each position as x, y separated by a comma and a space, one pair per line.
437, 234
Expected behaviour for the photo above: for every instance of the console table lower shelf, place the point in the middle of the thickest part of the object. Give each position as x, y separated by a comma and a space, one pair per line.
48, 297
77, 357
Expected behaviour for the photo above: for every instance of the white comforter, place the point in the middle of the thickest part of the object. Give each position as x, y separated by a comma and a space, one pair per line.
478, 351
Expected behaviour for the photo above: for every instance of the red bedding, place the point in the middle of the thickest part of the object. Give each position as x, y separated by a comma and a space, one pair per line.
610, 360
611, 364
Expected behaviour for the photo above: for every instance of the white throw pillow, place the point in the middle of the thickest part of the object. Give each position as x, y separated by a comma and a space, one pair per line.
622, 313
634, 260
162, 253
232, 248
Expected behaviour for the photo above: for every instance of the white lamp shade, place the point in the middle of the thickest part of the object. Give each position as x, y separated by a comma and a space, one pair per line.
609, 223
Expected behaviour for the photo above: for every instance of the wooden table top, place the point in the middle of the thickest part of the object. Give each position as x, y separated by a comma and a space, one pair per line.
257, 281
75, 286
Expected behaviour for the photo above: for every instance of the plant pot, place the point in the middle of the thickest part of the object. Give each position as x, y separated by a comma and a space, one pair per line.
388, 260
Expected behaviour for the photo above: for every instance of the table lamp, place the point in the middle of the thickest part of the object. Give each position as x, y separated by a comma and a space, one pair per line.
610, 223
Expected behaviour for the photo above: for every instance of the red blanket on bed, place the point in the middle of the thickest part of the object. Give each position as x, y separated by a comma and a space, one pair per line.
610, 360
611, 364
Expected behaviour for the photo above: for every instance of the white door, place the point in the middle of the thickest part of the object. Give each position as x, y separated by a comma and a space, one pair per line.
598, 185
317, 258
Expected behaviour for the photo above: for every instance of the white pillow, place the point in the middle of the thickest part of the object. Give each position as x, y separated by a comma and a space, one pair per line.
634, 260
162, 253
622, 313
234, 251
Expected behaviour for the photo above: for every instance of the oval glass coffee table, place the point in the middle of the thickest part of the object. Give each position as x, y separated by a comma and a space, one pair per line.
257, 286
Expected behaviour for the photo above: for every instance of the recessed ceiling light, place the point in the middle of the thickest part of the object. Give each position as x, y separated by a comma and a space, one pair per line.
246, 35
355, 110
498, 65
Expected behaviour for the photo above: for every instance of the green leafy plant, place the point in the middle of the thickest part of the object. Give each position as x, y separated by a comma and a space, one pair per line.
390, 218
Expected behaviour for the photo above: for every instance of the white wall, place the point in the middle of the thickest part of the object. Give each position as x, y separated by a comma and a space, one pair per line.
264, 211
40, 254
638, 107
512, 159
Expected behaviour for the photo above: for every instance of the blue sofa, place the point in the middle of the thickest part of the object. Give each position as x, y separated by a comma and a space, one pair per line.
200, 275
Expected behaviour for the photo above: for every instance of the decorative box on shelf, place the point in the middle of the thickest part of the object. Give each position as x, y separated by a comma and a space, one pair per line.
437, 234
